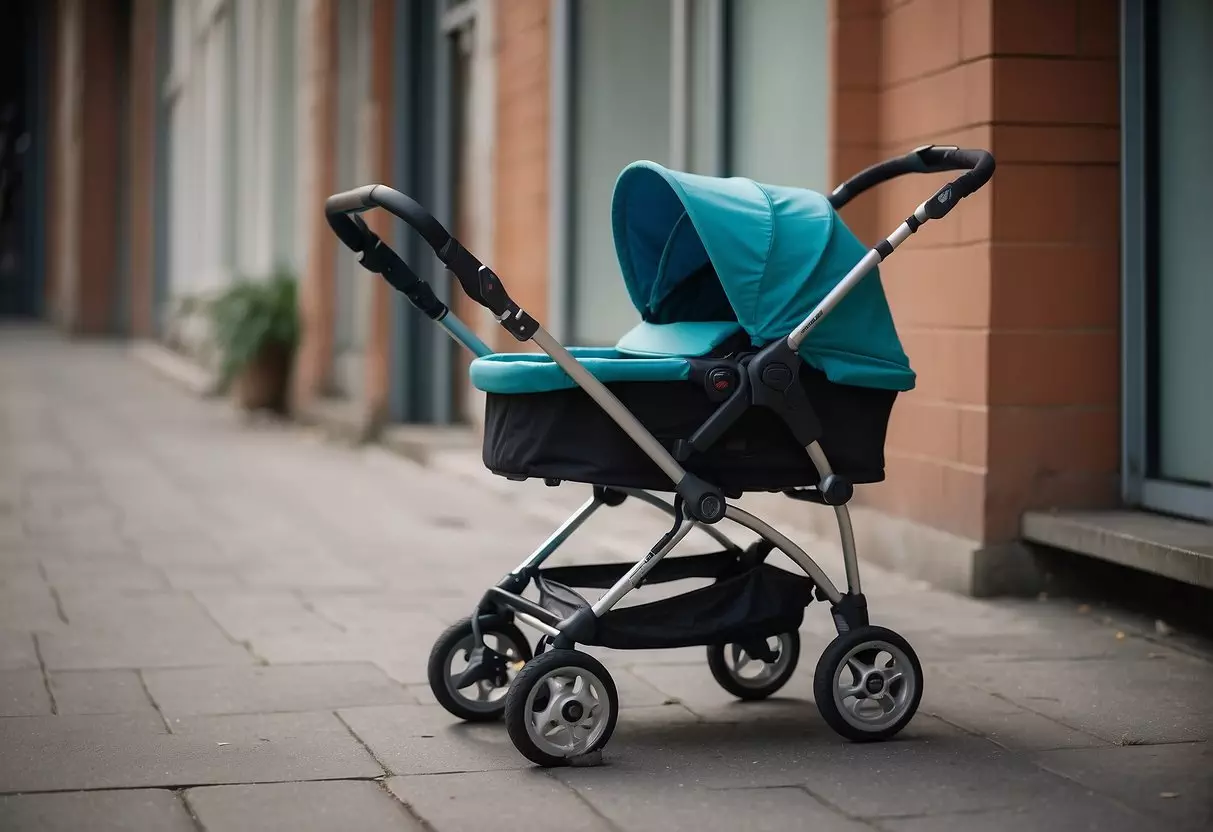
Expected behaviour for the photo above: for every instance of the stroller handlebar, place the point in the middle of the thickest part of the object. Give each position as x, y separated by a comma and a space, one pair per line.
930, 158
479, 282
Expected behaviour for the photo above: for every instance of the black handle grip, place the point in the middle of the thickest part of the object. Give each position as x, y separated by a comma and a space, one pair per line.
977, 164
926, 159
478, 281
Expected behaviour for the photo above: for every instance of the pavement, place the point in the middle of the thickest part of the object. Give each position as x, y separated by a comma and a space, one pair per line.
213, 623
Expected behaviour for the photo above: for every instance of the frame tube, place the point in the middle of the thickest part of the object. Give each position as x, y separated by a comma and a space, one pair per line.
785, 545
846, 533
534, 622
636, 574
668, 507
558, 537
464, 335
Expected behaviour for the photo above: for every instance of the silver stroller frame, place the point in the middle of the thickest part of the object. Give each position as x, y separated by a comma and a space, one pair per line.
697, 503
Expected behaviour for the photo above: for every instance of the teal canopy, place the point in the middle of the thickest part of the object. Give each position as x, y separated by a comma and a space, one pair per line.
700, 248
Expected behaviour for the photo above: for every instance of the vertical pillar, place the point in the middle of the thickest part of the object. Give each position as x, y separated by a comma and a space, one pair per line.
1008, 307
143, 162
379, 123
314, 360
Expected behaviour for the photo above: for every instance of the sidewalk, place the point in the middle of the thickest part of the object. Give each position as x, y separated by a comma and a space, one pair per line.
206, 624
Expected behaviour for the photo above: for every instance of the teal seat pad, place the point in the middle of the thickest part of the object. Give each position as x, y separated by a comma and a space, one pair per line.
684, 339
517, 373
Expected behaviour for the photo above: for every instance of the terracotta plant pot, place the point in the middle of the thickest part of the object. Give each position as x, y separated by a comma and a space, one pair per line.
263, 383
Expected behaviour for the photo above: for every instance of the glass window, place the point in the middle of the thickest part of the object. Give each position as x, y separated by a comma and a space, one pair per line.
778, 92
620, 113
1184, 218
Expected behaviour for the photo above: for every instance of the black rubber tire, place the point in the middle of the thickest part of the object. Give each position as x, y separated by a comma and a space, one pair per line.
720, 671
516, 715
436, 669
823, 683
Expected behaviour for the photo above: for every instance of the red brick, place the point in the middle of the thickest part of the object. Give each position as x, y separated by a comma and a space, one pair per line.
1056, 143
1099, 28
919, 38
1035, 27
856, 53
951, 364
1098, 203
1045, 90
921, 427
976, 29
942, 286
1040, 368
1055, 287
1036, 203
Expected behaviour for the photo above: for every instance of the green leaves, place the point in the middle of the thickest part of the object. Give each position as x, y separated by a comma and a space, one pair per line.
252, 315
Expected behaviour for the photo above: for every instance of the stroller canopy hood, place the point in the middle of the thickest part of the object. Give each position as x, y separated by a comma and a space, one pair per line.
705, 248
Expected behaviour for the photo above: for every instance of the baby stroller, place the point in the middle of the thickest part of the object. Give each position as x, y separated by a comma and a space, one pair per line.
763, 362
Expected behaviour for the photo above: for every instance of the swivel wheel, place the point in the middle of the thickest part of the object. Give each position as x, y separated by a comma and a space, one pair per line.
755, 671
868, 684
477, 696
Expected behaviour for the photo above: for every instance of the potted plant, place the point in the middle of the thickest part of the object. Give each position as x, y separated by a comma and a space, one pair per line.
255, 326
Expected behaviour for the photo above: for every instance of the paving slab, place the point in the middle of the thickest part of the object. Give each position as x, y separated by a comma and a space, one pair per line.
100, 692
23, 693
97, 811
17, 650
1174, 782
136, 647
236, 690
420, 739
994, 717
775, 809
318, 806
1073, 812
1126, 701
499, 800
106, 752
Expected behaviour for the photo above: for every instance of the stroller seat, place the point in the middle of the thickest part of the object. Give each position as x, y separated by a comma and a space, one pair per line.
716, 268
648, 352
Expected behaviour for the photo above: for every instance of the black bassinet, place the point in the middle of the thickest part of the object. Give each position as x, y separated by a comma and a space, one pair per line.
717, 268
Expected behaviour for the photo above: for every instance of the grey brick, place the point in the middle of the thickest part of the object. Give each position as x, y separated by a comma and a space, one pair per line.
679, 809
477, 800
178, 646
330, 806
1145, 701
98, 811
1172, 781
88, 692
17, 651
23, 693
106, 752
993, 717
231, 690
419, 739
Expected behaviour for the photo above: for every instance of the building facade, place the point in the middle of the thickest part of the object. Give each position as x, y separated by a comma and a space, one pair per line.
1056, 320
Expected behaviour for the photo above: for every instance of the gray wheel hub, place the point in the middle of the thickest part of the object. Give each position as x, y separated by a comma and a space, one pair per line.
750, 672
874, 685
482, 696
567, 711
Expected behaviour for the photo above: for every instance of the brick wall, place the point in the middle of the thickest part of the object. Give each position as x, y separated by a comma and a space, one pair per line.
82, 211
142, 152
1009, 307
520, 238
314, 361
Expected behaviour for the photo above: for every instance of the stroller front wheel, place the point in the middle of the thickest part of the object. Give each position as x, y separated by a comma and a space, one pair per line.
562, 705
868, 684
482, 699
755, 671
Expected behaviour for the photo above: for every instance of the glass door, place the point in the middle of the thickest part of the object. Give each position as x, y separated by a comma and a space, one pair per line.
1168, 297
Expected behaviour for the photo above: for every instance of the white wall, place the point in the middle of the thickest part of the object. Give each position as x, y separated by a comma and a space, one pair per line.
232, 146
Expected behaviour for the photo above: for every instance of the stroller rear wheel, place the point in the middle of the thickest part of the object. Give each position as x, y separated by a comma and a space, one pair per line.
562, 705
476, 699
755, 671
868, 684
